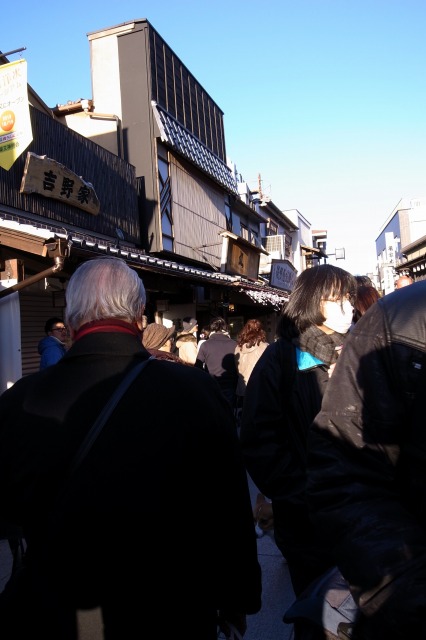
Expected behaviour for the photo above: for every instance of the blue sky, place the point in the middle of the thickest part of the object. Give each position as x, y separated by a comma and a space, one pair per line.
325, 99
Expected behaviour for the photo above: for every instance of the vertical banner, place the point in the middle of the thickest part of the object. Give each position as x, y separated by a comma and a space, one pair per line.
10, 338
15, 123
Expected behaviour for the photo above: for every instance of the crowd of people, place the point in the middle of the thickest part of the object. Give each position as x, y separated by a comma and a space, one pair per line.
325, 417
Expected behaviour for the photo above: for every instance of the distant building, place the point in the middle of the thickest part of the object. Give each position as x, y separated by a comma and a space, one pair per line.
401, 243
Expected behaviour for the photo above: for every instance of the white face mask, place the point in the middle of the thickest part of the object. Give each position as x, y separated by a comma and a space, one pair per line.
338, 317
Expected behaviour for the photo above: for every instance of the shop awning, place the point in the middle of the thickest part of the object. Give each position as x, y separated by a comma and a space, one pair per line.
264, 295
30, 236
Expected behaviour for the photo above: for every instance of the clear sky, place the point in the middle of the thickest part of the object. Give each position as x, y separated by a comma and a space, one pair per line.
324, 99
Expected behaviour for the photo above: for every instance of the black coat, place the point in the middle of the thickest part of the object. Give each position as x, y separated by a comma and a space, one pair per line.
367, 464
156, 527
279, 405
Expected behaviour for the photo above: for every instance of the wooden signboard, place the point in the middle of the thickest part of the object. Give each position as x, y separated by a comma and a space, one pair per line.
51, 179
242, 259
283, 275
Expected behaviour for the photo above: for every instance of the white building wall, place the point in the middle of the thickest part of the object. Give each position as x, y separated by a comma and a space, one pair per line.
303, 236
105, 69
417, 220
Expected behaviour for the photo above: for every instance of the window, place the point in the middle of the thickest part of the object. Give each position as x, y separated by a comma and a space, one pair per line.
272, 228
165, 204
254, 237
244, 232
228, 213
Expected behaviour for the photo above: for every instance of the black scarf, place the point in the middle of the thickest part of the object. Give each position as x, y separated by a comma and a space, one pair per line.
320, 344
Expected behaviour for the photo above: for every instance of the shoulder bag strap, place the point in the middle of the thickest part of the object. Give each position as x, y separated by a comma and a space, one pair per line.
97, 426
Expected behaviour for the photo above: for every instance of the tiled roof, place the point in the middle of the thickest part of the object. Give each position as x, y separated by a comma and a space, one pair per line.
187, 145
259, 293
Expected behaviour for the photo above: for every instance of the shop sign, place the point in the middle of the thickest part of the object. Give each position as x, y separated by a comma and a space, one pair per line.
242, 259
15, 122
51, 179
283, 275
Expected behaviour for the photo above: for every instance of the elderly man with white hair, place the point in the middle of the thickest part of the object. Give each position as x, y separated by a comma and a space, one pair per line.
112, 534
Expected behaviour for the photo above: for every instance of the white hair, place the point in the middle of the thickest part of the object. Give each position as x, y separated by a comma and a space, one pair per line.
104, 288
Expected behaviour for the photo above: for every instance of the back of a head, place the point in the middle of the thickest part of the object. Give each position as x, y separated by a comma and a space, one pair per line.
364, 281
252, 333
104, 288
403, 281
313, 286
189, 324
156, 335
218, 324
205, 333
365, 297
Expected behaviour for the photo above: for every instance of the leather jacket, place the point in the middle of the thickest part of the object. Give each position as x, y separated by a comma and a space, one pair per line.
366, 484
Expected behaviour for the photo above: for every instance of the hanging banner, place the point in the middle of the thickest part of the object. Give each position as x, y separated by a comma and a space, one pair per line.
15, 123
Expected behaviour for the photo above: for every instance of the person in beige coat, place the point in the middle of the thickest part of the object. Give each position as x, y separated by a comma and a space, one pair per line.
186, 341
251, 343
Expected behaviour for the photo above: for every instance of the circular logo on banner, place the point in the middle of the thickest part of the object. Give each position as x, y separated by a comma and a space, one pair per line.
7, 120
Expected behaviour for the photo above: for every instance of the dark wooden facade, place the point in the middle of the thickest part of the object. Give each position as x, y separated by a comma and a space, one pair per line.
112, 178
175, 89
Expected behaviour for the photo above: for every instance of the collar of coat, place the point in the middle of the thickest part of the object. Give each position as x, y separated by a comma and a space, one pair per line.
106, 326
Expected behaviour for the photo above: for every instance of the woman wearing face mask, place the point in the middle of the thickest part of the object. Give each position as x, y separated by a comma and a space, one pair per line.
283, 396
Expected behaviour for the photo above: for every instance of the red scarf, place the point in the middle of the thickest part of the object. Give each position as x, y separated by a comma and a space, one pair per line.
107, 326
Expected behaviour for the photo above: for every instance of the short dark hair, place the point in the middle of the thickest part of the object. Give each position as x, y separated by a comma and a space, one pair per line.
51, 323
314, 285
364, 281
218, 324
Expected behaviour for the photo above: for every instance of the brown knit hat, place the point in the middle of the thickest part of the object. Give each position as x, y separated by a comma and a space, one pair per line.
156, 335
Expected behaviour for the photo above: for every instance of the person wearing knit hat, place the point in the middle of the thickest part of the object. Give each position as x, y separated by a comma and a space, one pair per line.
189, 324
186, 342
158, 340
156, 336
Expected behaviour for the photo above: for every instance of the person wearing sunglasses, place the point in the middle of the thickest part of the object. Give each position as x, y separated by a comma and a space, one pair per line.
53, 346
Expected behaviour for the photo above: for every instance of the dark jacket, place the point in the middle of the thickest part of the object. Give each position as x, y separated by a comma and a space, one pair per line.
141, 528
367, 464
279, 404
216, 356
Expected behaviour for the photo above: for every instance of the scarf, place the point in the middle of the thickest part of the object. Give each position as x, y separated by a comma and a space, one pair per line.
107, 326
320, 344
